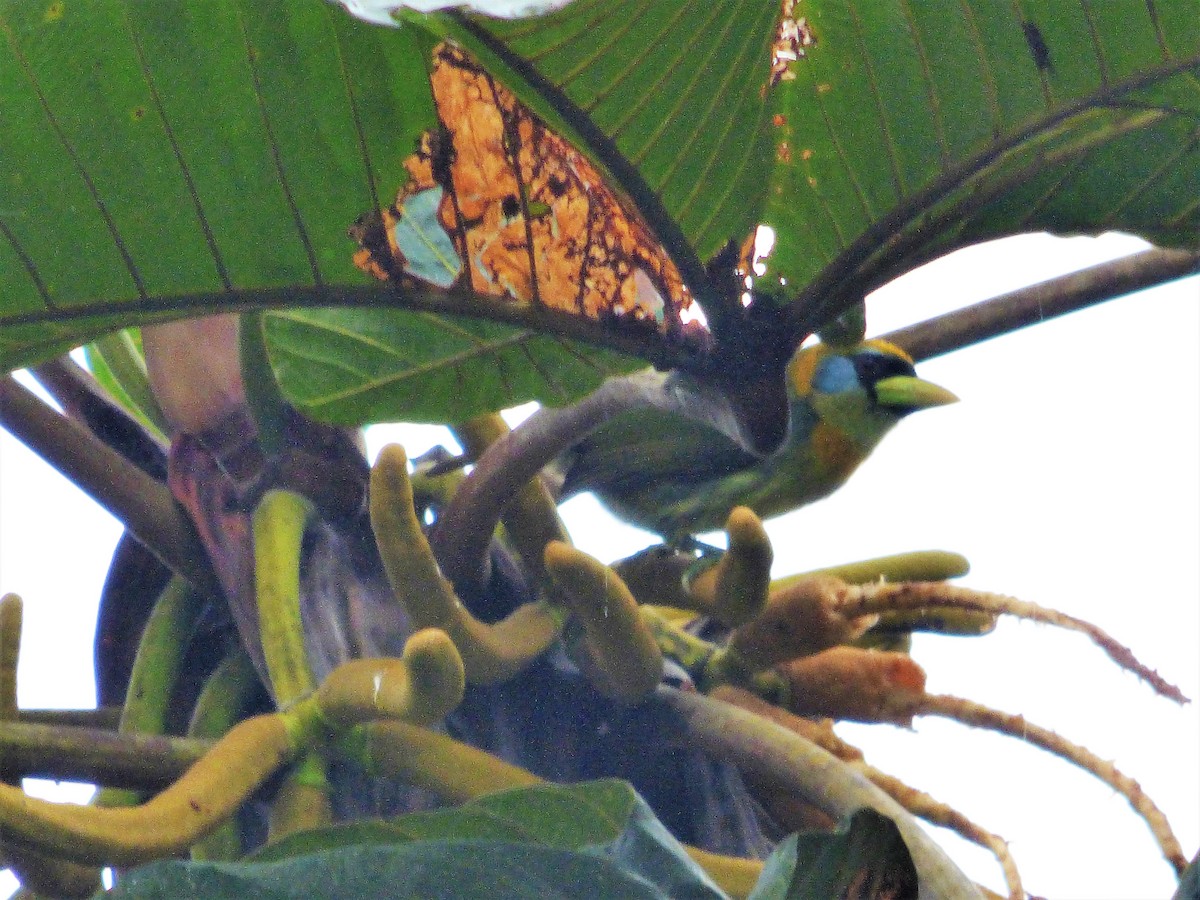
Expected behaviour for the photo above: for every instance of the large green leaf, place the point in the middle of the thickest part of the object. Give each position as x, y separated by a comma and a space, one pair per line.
597, 839
911, 129
163, 159
364, 365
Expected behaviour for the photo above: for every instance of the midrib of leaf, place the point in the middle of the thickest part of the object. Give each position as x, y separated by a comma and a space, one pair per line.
602, 149
405, 372
98, 204
277, 155
851, 272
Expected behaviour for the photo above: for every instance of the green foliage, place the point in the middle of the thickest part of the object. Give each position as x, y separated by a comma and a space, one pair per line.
594, 839
367, 365
597, 839
165, 160
865, 857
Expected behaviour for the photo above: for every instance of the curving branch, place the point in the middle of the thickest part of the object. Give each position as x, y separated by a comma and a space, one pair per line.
143, 504
97, 755
462, 532
84, 400
1046, 300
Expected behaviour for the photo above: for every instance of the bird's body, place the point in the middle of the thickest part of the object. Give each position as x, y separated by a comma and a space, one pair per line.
677, 476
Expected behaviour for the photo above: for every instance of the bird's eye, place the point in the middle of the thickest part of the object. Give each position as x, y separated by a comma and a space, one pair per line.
874, 367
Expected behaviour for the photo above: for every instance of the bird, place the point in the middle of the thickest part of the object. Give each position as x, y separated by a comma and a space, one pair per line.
678, 477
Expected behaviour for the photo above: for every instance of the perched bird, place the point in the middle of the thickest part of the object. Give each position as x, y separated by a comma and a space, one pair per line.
677, 476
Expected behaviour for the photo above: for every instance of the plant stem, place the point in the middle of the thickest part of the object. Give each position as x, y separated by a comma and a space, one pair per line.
1046, 300
70, 753
143, 504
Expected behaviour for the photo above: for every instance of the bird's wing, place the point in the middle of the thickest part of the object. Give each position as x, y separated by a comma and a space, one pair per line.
639, 449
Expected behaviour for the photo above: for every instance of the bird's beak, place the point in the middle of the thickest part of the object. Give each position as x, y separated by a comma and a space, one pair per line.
911, 393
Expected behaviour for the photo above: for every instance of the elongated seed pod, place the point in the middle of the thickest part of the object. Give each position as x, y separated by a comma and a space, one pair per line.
223, 701
279, 523
155, 670
303, 800
489, 653
420, 688
735, 589
919, 565
207, 794
622, 645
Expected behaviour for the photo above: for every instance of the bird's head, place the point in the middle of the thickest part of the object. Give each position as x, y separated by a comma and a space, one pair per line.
862, 390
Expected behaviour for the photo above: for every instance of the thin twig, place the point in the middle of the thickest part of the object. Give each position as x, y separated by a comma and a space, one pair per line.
936, 812
859, 600
97, 755
970, 713
1045, 300
143, 504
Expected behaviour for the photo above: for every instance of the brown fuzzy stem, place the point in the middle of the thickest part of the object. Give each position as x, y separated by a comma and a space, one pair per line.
770, 751
801, 618
873, 598
917, 802
971, 713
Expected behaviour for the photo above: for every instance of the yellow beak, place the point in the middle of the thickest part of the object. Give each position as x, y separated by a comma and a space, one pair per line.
907, 391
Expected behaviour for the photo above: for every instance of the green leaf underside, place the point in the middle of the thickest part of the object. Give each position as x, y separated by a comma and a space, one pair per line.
585, 840
915, 128
427, 869
160, 151
164, 158
363, 365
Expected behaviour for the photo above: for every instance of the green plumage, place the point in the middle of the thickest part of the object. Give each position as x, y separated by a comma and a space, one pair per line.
676, 476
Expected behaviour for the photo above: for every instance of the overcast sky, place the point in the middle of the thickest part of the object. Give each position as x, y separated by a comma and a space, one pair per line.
1068, 476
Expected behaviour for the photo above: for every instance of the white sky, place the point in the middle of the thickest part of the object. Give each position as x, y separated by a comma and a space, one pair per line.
1068, 476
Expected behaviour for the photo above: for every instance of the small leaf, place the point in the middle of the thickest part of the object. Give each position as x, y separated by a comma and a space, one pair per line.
864, 858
